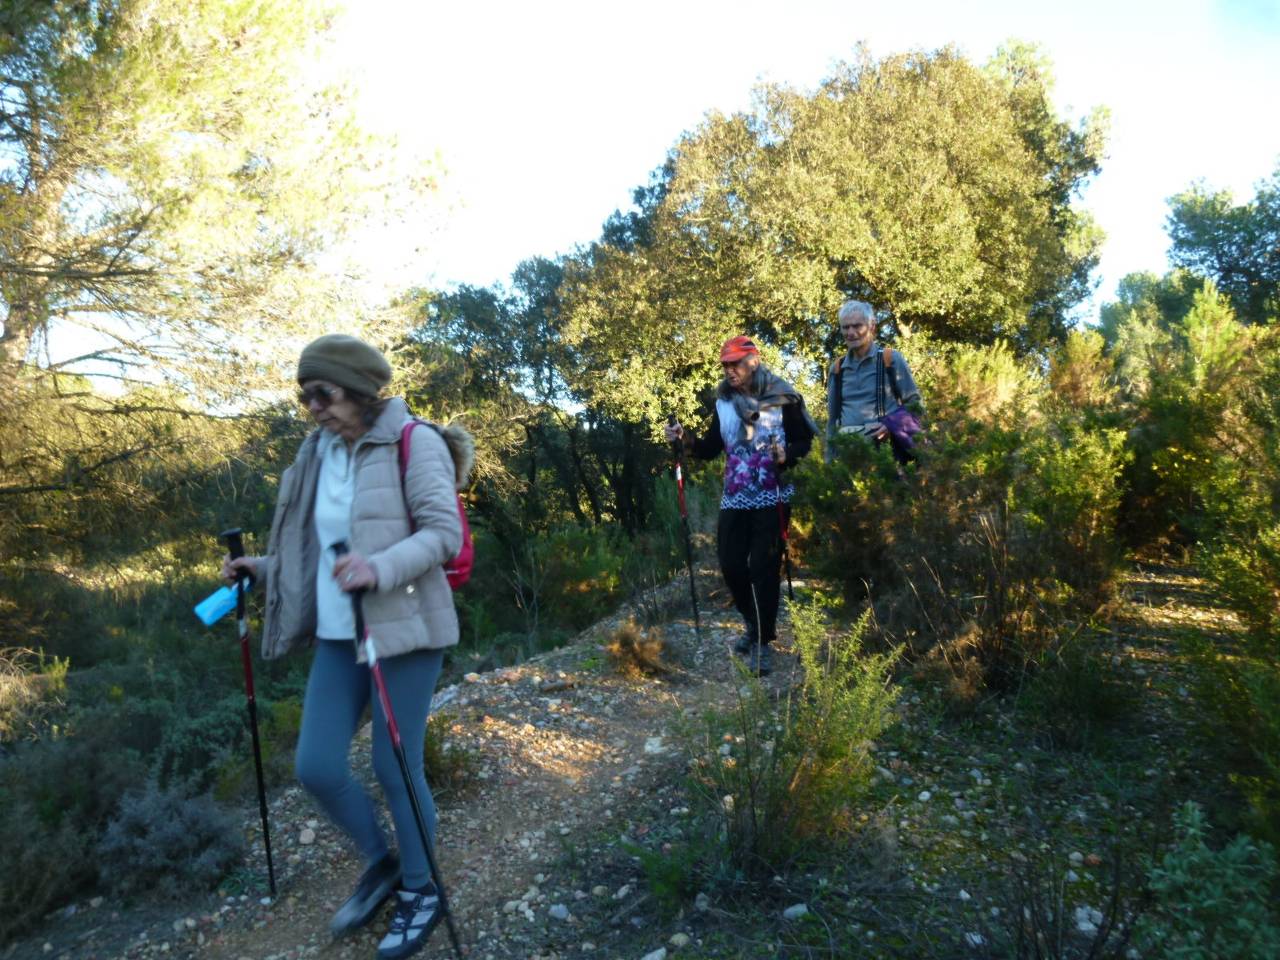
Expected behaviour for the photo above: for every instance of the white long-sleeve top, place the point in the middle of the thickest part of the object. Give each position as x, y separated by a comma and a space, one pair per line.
335, 491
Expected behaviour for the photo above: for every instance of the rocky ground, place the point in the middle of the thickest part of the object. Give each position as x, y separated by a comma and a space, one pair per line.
573, 767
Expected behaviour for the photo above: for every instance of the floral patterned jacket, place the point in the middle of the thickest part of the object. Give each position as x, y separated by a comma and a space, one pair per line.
751, 478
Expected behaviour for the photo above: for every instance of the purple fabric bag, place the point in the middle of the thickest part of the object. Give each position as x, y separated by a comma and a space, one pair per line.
902, 425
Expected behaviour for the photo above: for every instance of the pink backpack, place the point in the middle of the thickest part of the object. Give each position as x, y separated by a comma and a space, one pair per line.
458, 570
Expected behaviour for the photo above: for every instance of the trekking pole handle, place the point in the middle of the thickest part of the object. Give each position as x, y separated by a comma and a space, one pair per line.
235, 546
235, 542
363, 639
676, 445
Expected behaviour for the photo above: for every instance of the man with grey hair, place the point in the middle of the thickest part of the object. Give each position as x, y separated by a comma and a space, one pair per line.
869, 383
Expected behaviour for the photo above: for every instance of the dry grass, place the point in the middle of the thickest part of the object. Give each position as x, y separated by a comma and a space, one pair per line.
638, 652
30, 689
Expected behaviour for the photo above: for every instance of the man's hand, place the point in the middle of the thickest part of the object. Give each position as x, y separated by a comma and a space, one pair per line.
674, 432
779, 453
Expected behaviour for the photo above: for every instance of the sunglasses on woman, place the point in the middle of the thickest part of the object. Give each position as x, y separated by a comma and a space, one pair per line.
319, 394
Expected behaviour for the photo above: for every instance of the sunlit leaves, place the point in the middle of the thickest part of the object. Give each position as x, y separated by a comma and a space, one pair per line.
939, 190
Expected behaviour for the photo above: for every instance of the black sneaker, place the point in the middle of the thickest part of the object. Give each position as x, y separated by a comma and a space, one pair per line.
373, 889
760, 662
742, 646
416, 916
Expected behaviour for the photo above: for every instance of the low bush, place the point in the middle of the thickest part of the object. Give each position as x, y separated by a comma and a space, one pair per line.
233, 776
42, 864
1246, 569
57, 795
1211, 903
638, 652
172, 713
166, 839
1073, 695
997, 539
1241, 692
775, 780
1051, 919
447, 765
672, 874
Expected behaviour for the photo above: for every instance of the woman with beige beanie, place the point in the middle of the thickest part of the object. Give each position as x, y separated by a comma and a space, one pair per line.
346, 485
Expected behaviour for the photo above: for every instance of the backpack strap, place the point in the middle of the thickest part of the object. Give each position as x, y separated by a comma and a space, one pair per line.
892, 372
839, 385
405, 445
406, 442
881, 410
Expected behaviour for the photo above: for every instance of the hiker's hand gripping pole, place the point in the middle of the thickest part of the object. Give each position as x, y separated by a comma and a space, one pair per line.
677, 453
364, 641
235, 547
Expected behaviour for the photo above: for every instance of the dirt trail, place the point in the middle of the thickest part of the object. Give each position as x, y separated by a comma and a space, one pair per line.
564, 749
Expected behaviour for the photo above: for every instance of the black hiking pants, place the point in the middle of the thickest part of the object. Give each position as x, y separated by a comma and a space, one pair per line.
750, 547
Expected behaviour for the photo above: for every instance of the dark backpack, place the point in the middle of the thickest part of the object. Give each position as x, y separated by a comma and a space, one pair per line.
458, 570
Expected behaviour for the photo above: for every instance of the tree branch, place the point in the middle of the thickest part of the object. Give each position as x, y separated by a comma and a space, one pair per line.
79, 475
66, 273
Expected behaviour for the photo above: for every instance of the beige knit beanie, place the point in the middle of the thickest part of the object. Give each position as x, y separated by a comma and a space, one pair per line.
345, 361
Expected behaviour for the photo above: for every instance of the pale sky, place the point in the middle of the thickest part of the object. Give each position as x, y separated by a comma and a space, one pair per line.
547, 114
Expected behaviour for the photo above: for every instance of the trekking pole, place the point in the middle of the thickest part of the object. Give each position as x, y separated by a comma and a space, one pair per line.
784, 529
688, 537
235, 546
363, 638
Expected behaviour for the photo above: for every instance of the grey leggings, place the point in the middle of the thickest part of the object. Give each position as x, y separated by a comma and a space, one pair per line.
338, 690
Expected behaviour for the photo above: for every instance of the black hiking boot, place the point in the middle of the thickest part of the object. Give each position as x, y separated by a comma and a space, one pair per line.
760, 661
744, 642
376, 884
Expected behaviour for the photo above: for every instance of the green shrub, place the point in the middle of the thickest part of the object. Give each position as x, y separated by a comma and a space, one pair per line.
70, 779
43, 866
1211, 903
1246, 569
233, 775
57, 795
996, 539
1189, 378
165, 839
1072, 694
673, 874
448, 766
776, 779
1242, 695
581, 571
167, 718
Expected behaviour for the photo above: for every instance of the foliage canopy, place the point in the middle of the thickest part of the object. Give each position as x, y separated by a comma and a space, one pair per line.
938, 190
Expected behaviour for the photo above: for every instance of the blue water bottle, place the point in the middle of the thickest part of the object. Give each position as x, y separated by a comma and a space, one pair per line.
219, 603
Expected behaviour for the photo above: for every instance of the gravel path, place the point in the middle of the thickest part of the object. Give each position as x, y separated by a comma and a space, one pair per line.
564, 751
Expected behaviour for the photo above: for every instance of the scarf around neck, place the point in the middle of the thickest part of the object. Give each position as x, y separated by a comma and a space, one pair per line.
765, 390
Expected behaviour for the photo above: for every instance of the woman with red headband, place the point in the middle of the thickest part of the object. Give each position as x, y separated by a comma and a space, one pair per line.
761, 424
